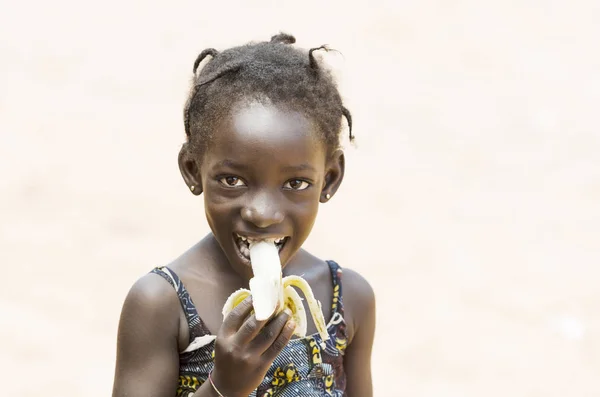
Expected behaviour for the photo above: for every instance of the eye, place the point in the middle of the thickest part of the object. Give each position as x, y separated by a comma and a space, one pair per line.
232, 181
296, 184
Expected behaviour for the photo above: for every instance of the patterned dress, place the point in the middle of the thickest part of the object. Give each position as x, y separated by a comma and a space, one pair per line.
303, 368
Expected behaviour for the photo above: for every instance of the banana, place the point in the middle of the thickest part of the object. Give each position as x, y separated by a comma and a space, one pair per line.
293, 302
235, 299
272, 293
266, 285
314, 305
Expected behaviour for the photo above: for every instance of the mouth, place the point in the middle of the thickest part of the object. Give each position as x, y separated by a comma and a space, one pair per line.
243, 244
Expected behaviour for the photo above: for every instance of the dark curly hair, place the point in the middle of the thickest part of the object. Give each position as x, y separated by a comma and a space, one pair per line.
273, 70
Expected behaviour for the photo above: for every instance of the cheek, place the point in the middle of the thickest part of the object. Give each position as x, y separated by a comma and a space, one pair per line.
218, 209
306, 215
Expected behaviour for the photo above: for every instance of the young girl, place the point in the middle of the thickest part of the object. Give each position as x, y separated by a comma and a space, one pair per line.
263, 147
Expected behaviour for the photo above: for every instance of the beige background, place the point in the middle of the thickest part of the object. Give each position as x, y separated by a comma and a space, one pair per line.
471, 203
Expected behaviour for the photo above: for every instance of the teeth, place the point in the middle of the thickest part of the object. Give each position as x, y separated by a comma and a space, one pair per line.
245, 251
269, 240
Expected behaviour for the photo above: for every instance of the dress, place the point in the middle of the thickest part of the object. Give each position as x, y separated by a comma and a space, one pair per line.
303, 368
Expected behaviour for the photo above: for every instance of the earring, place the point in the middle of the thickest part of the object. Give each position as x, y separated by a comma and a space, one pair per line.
192, 188
327, 196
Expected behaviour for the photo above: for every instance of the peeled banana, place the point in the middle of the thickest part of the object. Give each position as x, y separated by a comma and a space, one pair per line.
272, 293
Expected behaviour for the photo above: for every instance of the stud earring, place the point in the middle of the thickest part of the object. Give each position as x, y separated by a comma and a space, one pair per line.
327, 196
192, 188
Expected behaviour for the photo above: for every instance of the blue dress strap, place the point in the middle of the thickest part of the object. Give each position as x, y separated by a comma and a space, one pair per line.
337, 305
196, 325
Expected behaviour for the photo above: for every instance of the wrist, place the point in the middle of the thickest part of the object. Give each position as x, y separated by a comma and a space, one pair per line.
221, 387
214, 387
206, 390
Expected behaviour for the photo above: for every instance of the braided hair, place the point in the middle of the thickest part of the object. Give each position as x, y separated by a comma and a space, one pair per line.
273, 70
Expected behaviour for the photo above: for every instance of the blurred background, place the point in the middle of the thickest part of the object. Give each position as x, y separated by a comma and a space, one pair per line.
471, 202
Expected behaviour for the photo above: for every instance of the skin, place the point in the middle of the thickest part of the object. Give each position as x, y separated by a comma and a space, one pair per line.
264, 174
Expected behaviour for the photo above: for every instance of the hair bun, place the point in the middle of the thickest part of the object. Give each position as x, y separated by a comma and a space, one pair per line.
283, 38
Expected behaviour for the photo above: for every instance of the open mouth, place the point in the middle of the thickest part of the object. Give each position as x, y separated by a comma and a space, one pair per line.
243, 244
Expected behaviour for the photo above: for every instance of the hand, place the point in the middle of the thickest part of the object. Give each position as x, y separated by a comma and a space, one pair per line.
245, 349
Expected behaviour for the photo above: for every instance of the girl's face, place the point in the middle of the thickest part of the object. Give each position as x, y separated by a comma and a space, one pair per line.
263, 176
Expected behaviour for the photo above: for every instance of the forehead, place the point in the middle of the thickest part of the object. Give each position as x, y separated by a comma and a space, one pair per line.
265, 134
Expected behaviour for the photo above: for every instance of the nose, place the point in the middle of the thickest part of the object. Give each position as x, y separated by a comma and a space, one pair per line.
262, 211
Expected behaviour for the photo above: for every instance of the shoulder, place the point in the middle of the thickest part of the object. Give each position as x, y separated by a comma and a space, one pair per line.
150, 301
357, 290
147, 344
152, 288
359, 301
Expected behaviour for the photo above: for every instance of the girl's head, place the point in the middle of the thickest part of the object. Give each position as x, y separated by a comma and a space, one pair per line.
263, 128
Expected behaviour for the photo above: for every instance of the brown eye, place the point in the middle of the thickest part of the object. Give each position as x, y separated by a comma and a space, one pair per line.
296, 184
232, 181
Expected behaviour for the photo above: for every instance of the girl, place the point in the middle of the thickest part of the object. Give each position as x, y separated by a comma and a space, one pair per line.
263, 147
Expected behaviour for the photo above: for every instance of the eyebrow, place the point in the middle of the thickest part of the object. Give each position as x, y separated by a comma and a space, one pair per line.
300, 167
232, 164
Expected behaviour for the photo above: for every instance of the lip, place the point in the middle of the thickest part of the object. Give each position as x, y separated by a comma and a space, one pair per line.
245, 261
258, 236
254, 236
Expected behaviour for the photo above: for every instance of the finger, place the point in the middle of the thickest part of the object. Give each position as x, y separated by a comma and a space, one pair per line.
280, 342
267, 336
237, 316
249, 329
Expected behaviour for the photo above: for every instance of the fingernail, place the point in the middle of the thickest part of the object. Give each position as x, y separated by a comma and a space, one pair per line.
291, 324
288, 312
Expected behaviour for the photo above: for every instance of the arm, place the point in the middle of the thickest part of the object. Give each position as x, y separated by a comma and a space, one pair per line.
147, 348
360, 301
148, 352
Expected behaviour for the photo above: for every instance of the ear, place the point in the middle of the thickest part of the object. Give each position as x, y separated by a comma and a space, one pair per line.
334, 174
190, 170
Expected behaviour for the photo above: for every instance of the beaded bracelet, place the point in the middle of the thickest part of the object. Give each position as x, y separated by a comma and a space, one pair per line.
213, 384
